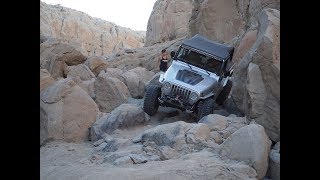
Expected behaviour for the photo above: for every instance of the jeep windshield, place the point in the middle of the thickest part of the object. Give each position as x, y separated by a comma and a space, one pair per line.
203, 61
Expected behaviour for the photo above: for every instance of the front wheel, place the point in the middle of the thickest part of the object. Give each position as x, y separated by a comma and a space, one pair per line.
206, 108
151, 103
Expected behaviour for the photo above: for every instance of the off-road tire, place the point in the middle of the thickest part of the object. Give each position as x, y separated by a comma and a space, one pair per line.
151, 103
224, 93
206, 108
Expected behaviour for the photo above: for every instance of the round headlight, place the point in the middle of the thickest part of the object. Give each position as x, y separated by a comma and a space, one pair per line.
166, 86
193, 96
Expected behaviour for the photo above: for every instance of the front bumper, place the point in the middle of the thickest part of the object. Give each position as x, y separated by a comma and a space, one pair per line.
176, 103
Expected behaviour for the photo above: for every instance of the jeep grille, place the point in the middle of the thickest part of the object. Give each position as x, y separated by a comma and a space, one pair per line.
184, 93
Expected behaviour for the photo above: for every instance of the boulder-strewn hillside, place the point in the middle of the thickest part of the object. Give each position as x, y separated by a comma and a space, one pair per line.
93, 36
92, 123
220, 20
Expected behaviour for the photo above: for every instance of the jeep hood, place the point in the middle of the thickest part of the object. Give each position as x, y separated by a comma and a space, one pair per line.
193, 78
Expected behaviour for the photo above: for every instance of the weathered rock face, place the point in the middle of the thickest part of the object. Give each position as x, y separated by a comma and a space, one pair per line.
96, 64
172, 135
135, 79
88, 86
66, 112
92, 35
110, 92
124, 116
251, 145
80, 70
56, 56
168, 21
215, 122
45, 79
146, 57
220, 20
245, 44
256, 89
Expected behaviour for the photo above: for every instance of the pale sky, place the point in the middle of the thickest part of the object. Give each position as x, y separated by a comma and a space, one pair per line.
133, 14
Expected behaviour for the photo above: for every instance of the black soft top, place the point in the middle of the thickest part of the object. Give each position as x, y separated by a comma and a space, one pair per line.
223, 52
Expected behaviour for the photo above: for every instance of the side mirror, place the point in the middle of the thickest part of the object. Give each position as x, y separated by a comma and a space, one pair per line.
172, 54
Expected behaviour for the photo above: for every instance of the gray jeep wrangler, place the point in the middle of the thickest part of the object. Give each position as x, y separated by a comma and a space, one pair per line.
197, 78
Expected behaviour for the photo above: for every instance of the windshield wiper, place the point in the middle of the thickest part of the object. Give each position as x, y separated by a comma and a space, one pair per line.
207, 71
189, 66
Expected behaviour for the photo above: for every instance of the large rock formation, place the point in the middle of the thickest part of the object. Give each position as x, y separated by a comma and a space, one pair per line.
135, 79
45, 79
110, 92
251, 145
124, 116
56, 56
92, 35
256, 89
66, 112
79, 70
220, 20
168, 21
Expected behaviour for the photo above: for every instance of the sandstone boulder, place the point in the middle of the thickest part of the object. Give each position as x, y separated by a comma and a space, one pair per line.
96, 64
45, 79
80, 70
256, 90
66, 112
249, 144
219, 20
215, 122
88, 86
55, 56
198, 133
245, 44
171, 134
168, 20
124, 116
115, 73
135, 79
110, 92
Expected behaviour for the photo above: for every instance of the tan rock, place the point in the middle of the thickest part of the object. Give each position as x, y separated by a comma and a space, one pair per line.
93, 36
66, 112
256, 89
45, 79
96, 64
88, 86
216, 137
244, 45
251, 145
81, 71
110, 92
219, 20
168, 20
198, 133
135, 79
215, 122
55, 56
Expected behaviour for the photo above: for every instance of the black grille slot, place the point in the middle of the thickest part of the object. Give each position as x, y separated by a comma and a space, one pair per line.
182, 92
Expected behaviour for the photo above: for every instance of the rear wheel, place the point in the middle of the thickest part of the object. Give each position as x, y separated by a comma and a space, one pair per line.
224, 93
151, 103
206, 108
